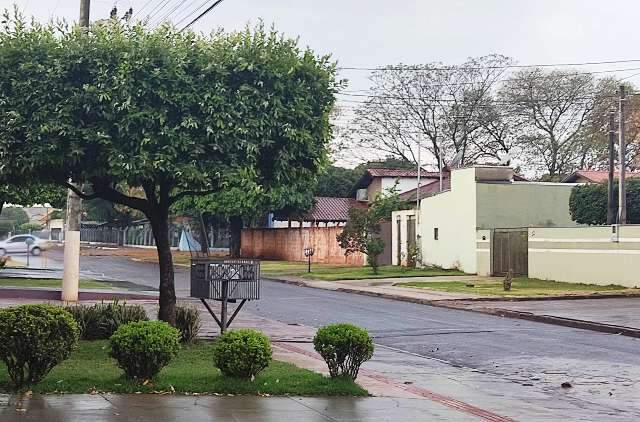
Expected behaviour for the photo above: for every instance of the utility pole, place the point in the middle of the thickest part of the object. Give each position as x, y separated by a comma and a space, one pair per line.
71, 270
622, 194
611, 206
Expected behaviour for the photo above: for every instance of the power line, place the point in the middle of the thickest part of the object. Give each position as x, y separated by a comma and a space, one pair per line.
210, 8
170, 12
157, 10
508, 66
144, 6
204, 3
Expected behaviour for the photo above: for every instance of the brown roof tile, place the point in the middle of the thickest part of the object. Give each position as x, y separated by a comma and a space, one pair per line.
332, 209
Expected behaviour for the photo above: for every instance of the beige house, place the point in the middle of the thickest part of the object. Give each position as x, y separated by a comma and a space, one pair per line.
479, 198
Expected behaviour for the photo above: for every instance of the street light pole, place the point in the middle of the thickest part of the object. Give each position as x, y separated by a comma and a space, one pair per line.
622, 195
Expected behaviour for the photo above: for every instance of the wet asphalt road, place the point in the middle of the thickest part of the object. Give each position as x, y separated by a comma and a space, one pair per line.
532, 354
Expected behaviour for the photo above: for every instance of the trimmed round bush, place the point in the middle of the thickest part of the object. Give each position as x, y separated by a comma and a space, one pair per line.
143, 348
34, 339
242, 353
344, 347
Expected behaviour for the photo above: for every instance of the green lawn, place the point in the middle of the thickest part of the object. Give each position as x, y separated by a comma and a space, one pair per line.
52, 282
91, 369
520, 287
338, 272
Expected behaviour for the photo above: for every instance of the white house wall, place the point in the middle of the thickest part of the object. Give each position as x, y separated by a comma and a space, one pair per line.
453, 213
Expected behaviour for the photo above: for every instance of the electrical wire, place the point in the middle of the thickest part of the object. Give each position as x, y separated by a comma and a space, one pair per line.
210, 8
509, 66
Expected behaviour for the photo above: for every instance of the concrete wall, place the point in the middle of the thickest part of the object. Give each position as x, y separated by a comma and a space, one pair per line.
403, 217
585, 254
288, 245
483, 252
523, 204
453, 213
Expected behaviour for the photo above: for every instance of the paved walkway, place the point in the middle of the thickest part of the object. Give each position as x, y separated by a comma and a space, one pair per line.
624, 312
155, 408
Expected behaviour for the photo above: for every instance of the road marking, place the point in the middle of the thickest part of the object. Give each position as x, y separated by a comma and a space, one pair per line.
419, 391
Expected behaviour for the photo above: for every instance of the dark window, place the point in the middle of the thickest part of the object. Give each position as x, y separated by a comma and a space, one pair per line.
435, 233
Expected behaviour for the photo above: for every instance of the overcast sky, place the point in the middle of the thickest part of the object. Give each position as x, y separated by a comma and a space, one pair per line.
373, 33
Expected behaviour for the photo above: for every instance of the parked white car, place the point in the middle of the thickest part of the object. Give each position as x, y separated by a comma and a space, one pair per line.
21, 243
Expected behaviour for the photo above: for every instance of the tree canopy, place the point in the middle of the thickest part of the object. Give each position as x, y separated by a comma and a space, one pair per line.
588, 203
144, 118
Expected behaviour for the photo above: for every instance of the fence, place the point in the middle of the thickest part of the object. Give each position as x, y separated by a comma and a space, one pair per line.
288, 245
141, 235
597, 254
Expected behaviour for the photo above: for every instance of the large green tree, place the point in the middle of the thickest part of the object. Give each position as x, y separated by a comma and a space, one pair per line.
588, 203
164, 113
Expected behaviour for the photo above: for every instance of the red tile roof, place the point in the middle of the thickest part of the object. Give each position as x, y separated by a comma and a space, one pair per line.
594, 176
426, 190
332, 209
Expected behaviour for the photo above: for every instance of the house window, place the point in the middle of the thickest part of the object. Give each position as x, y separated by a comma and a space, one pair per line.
435, 233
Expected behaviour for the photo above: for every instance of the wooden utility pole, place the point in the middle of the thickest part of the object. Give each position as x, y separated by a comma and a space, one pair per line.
611, 206
622, 194
71, 269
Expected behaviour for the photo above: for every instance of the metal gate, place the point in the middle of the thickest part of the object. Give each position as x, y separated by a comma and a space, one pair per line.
510, 251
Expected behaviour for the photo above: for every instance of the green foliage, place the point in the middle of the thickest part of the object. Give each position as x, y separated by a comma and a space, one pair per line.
588, 203
14, 215
143, 348
29, 227
242, 353
146, 117
362, 231
101, 320
344, 347
34, 339
188, 322
337, 182
413, 256
374, 246
30, 193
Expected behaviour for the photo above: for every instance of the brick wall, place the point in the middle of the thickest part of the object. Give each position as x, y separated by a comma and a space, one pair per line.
287, 244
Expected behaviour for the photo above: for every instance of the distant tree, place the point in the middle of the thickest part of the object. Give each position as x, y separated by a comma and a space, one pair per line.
146, 117
434, 105
362, 231
29, 227
16, 216
588, 203
337, 182
550, 109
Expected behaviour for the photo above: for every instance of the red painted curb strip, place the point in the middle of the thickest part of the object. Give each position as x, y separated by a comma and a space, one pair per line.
423, 392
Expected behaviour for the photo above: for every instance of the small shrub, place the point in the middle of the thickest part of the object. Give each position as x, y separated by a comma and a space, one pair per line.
188, 322
100, 321
242, 353
34, 339
413, 256
143, 348
344, 347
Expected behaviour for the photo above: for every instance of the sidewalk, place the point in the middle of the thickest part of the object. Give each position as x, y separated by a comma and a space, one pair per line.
604, 313
156, 408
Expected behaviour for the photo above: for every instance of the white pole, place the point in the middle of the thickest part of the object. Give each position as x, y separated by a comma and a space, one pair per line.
418, 198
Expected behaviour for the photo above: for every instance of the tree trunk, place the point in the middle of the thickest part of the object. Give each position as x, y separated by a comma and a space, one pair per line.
160, 226
235, 226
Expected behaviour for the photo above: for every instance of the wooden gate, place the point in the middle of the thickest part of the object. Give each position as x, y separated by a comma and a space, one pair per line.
510, 251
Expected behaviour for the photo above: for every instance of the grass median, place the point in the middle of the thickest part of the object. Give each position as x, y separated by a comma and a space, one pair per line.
337, 272
90, 369
521, 286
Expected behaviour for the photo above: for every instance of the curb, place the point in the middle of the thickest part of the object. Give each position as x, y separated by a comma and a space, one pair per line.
507, 313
